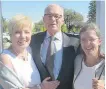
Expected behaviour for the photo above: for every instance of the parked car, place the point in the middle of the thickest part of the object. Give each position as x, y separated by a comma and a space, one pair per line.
6, 37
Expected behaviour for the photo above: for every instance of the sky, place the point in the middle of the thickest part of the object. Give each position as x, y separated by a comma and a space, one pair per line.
35, 9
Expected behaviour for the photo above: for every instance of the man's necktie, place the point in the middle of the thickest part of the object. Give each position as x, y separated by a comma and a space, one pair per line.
50, 58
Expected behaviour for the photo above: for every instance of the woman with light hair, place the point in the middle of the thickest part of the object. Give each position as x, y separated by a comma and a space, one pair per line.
17, 68
90, 64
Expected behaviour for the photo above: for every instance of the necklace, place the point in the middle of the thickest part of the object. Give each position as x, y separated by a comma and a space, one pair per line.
23, 56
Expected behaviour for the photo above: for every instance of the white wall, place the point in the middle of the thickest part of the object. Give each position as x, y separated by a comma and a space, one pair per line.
100, 20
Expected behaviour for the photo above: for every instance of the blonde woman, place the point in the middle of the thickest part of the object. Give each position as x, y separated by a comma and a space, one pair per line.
17, 68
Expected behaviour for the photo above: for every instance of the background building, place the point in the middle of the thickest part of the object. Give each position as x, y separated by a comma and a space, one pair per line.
100, 20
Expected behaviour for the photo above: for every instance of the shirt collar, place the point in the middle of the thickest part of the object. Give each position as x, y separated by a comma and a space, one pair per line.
58, 35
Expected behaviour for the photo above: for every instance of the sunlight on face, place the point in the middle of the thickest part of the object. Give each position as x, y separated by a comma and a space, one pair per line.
53, 18
90, 42
21, 37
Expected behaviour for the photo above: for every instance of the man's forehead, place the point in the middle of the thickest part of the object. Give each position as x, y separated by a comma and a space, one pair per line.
54, 12
53, 9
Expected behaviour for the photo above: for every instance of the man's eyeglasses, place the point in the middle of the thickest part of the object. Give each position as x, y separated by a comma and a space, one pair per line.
56, 16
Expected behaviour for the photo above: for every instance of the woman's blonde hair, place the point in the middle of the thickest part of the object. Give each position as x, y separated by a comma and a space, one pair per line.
18, 22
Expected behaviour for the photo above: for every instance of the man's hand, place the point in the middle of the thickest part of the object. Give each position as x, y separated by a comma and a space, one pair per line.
49, 84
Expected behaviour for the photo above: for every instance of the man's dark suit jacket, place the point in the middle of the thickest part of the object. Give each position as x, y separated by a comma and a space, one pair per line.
70, 44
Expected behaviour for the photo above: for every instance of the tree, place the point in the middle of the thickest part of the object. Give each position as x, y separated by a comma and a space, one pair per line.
41, 24
64, 28
72, 16
42, 28
5, 24
92, 12
38, 27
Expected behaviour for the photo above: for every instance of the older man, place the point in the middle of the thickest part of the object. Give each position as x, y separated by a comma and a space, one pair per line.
54, 51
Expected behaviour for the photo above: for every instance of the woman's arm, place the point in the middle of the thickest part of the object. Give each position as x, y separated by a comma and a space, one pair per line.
5, 59
8, 79
44, 85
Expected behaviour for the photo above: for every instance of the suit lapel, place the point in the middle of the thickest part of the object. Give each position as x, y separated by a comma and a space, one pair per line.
36, 55
65, 44
68, 55
36, 49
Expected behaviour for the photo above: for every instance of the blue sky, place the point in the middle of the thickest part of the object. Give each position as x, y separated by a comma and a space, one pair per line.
35, 9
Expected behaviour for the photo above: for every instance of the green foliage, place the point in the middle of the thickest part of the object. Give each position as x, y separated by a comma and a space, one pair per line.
40, 22
5, 24
92, 11
37, 27
72, 16
42, 28
74, 29
33, 30
64, 28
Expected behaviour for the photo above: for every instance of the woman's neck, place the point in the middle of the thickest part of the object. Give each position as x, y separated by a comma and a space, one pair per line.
91, 60
20, 53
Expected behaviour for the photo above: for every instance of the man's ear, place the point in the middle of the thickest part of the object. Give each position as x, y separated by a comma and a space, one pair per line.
62, 21
43, 18
100, 41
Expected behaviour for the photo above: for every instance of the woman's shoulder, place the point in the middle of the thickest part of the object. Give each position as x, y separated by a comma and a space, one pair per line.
5, 58
78, 59
79, 56
4, 54
7, 52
